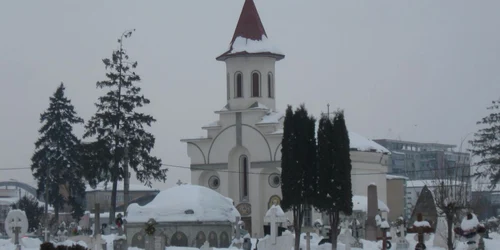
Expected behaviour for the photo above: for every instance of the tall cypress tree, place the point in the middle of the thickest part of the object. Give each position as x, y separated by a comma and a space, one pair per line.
118, 124
55, 162
335, 188
298, 165
343, 163
486, 144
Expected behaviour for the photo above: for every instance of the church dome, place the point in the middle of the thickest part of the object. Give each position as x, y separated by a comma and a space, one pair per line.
185, 203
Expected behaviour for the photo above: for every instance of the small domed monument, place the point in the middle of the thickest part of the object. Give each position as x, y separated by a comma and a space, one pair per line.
185, 215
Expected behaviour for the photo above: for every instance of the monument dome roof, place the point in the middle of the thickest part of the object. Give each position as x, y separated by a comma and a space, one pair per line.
185, 203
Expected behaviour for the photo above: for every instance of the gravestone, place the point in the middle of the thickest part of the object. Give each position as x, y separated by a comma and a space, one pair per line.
356, 230
120, 244
346, 237
441, 235
16, 225
402, 243
274, 216
371, 224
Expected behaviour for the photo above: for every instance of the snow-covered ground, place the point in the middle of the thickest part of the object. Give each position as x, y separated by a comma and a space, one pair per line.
34, 244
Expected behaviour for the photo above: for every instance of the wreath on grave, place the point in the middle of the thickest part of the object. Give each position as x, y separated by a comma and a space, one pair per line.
150, 229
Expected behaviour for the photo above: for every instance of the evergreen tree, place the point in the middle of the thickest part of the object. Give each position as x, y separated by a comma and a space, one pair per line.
118, 124
298, 165
335, 188
486, 144
55, 161
34, 212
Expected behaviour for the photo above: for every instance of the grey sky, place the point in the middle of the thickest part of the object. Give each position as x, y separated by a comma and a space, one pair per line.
415, 70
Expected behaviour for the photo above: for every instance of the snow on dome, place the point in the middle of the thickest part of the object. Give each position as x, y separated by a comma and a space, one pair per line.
242, 44
185, 203
360, 203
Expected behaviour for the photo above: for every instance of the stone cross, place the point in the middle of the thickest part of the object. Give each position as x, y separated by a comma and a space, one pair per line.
16, 232
179, 182
384, 236
274, 218
402, 243
371, 224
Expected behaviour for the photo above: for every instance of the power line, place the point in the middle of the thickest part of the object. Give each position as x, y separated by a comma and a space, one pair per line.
238, 172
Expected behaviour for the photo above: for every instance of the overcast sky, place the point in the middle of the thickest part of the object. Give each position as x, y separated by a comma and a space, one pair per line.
411, 70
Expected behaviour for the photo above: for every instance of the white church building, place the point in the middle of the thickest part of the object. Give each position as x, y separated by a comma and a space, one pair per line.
240, 157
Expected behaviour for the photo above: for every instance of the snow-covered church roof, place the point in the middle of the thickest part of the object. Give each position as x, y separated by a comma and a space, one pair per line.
250, 36
103, 186
185, 203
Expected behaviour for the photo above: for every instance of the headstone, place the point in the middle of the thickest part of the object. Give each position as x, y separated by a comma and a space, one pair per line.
356, 226
120, 244
441, 235
247, 244
346, 239
16, 225
371, 224
274, 216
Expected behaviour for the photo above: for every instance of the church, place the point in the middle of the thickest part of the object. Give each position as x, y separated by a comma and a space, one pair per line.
240, 157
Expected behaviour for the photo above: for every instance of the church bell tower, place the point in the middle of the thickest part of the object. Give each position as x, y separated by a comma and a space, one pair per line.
250, 64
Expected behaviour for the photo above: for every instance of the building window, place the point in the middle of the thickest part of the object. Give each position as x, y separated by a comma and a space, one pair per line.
255, 84
227, 83
244, 177
238, 85
270, 87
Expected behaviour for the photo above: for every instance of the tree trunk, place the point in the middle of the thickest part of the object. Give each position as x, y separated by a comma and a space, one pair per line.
297, 223
296, 227
112, 209
449, 221
334, 222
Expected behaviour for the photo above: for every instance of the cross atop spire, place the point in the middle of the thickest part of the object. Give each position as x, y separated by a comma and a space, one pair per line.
250, 37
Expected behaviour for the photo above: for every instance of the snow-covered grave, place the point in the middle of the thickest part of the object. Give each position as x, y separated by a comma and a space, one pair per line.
185, 215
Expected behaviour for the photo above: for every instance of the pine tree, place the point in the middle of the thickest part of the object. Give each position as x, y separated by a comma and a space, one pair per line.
34, 212
486, 144
55, 161
118, 124
335, 187
298, 164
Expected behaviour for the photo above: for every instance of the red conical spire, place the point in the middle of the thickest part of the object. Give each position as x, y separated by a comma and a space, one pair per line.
249, 27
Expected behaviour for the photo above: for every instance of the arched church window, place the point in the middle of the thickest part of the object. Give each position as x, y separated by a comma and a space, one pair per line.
238, 85
244, 177
227, 83
255, 84
270, 87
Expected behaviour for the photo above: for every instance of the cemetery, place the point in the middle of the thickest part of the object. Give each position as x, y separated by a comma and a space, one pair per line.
201, 218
